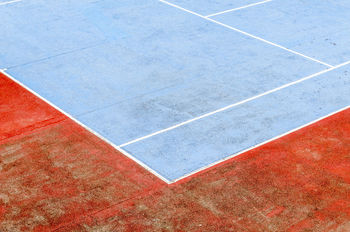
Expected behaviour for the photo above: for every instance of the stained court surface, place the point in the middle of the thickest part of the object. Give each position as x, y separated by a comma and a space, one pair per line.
105, 103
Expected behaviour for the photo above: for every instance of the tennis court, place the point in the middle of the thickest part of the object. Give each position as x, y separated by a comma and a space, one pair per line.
177, 87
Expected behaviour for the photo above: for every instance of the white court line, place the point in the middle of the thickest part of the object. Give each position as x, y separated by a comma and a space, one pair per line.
238, 8
246, 33
9, 2
140, 162
3, 71
120, 149
258, 145
234, 104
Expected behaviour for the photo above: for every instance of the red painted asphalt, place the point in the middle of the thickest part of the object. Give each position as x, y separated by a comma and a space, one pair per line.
21, 111
56, 176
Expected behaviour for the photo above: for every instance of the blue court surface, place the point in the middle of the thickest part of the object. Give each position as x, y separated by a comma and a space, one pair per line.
180, 85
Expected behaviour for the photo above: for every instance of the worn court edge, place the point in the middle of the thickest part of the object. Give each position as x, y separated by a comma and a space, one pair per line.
260, 144
3, 71
121, 150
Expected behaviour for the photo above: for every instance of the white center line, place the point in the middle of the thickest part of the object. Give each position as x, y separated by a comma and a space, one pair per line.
9, 2
247, 34
239, 8
234, 104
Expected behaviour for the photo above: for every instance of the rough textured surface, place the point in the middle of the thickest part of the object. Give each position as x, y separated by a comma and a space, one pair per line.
21, 111
297, 183
61, 172
130, 68
52, 174
59, 177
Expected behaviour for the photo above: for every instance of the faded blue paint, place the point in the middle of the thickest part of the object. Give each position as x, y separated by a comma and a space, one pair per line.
35, 30
185, 149
209, 7
320, 29
129, 68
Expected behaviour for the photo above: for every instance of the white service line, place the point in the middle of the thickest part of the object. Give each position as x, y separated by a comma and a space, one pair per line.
238, 8
246, 33
258, 145
9, 2
3, 71
234, 104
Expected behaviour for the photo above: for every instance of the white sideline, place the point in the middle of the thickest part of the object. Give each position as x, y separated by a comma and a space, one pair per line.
234, 104
9, 2
3, 71
124, 152
247, 34
258, 145
238, 8
191, 173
